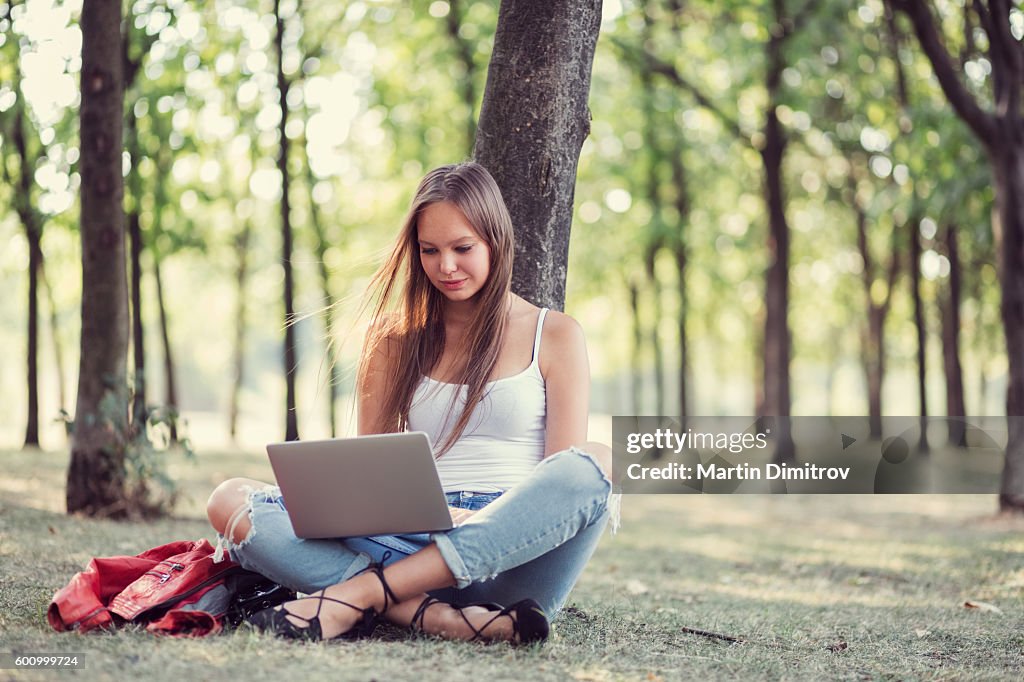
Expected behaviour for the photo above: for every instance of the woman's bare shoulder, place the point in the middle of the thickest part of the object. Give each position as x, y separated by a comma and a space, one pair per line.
563, 348
383, 338
562, 330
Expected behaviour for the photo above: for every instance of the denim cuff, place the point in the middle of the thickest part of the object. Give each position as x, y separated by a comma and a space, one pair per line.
614, 503
451, 557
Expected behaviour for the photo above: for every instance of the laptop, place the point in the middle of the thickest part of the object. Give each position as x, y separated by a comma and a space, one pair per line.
353, 487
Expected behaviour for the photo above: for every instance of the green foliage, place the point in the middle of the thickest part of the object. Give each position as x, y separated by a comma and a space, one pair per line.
377, 98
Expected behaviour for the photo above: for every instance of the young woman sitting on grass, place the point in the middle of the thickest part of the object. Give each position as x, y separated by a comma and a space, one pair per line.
501, 387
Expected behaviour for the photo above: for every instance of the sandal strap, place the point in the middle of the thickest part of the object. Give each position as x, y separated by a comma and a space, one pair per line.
279, 620
478, 633
377, 568
416, 624
525, 609
324, 598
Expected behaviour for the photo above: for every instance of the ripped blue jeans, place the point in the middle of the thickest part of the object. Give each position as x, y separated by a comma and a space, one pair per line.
531, 541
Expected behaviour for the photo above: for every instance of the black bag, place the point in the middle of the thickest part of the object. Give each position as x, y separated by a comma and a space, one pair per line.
253, 592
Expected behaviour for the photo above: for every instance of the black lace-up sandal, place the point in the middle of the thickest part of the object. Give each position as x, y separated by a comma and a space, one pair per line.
416, 624
276, 619
529, 622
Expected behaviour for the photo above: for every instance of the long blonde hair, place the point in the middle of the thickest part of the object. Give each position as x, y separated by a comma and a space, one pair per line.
415, 332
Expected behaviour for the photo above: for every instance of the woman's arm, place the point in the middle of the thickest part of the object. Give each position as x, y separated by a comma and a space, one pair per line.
566, 370
373, 387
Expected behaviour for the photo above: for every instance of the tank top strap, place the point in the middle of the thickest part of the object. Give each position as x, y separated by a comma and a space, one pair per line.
536, 340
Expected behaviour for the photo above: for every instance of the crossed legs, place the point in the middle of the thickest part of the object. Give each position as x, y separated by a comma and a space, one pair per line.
554, 518
409, 580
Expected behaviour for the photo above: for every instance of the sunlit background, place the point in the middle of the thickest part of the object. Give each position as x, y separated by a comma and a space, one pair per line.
376, 101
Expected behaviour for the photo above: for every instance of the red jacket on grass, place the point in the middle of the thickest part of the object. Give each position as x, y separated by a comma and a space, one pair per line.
175, 588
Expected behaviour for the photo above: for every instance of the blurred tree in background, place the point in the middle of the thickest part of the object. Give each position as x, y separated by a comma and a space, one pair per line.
775, 209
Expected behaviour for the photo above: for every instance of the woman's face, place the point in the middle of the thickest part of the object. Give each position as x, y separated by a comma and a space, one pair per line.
455, 258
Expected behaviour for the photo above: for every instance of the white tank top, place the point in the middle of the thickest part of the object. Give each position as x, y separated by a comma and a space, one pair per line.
504, 439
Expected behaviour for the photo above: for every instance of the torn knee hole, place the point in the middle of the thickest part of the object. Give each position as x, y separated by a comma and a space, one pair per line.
235, 530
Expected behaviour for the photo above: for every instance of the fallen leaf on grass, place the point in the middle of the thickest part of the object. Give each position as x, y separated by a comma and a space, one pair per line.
837, 647
651, 677
596, 675
922, 633
982, 606
636, 587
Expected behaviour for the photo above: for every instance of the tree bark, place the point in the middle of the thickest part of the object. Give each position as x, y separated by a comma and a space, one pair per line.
138, 335
35, 261
291, 431
1008, 166
657, 312
533, 121
776, 329
677, 241
915, 295
1002, 133
134, 220
238, 362
96, 475
874, 368
955, 404
33, 233
873, 339
679, 252
22, 202
58, 347
636, 368
171, 395
776, 325
656, 228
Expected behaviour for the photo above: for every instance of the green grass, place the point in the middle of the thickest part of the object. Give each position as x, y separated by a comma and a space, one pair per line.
835, 587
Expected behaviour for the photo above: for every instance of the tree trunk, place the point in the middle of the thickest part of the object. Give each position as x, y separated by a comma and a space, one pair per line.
677, 241
1008, 166
238, 362
464, 52
134, 220
679, 251
915, 294
533, 121
636, 366
96, 475
776, 324
132, 63
138, 340
657, 313
33, 233
874, 368
333, 371
655, 229
1001, 131
35, 261
171, 396
22, 202
873, 338
955, 404
58, 348
291, 430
